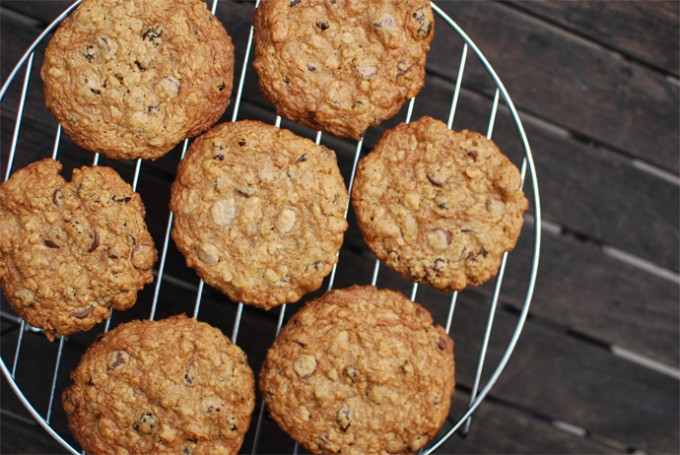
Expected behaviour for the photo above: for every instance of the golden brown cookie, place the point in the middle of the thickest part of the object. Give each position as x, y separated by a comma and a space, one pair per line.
360, 371
439, 206
259, 212
70, 251
175, 386
341, 65
131, 79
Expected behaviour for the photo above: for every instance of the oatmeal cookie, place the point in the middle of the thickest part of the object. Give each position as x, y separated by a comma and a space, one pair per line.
259, 212
360, 371
69, 251
175, 386
439, 206
341, 65
131, 79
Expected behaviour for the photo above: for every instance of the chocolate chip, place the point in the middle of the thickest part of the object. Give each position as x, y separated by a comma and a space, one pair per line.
439, 239
424, 24
153, 35
439, 264
140, 67
311, 68
50, 244
124, 199
435, 179
483, 252
286, 80
96, 91
302, 157
232, 423
471, 257
57, 197
241, 142
89, 53
105, 40
145, 424
95, 242
218, 157
152, 109
80, 314
186, 451
294, 2
221, 86
473, 154
441, 344
322, 25
117, 359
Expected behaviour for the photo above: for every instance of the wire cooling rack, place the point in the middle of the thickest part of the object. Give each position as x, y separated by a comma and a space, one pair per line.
11, 362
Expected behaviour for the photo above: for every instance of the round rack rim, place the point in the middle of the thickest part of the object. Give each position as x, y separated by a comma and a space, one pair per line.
527, 165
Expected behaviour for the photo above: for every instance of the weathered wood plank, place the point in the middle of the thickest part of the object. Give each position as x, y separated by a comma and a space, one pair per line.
594, 294
502, 429
18, 437
646, 31
567, 81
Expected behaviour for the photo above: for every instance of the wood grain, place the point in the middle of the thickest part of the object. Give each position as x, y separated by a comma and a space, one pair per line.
626, 29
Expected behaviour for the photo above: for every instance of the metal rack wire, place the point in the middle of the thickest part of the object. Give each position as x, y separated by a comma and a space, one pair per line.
528, 172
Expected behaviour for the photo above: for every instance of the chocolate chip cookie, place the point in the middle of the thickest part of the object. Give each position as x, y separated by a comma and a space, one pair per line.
360, 371
70, 251
259, 212
438, 206
131, 79
339, 65
172, 386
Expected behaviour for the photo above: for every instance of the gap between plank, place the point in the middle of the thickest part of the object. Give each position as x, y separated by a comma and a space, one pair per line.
645, 361
642, 264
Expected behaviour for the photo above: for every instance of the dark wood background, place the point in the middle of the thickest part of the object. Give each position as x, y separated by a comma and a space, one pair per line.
597, 366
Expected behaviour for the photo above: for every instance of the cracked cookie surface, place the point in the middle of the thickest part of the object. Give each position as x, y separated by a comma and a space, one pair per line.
259, 212
339, 65
132, 79
360, 371
439, 206
71, 251
170, 386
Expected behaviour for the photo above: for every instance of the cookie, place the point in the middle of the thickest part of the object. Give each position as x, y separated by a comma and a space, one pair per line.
172, 386
339, 65
360, 371
438, 206
71, 251
131, 79
259, 212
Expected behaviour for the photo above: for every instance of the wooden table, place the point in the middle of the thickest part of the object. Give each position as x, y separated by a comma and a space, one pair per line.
596, 369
